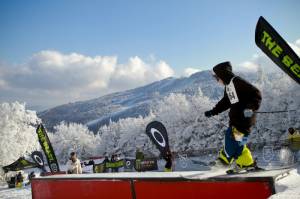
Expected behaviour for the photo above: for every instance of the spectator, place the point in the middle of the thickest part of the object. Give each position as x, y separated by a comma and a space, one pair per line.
168, 158
19, 179
106, 160
294, 139
73, 165
139, 155
114, 158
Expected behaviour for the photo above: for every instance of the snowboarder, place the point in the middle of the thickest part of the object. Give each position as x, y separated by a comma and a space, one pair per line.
243, 99
73, 165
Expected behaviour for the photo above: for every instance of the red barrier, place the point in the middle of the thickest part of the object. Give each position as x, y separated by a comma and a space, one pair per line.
74, 188
196, 189
61, 187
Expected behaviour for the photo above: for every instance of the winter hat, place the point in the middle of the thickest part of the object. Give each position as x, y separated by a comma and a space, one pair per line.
224, 71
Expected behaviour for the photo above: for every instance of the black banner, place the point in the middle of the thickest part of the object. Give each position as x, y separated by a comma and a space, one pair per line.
102, 167
146, 164
129, 164
159, 136
47, 148
276, 48
37, 156
20, 164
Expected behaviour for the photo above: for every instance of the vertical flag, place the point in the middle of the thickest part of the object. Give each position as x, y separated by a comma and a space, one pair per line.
159, 136
277, 49
47, 148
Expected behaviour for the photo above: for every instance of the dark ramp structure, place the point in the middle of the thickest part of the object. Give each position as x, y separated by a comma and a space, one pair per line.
190, 184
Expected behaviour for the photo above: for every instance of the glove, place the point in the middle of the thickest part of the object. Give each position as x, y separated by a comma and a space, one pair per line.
248, 113
208, 113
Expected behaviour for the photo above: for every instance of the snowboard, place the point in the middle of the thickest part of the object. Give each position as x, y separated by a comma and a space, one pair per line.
257, 169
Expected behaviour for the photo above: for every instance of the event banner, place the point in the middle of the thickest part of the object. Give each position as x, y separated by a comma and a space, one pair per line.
146, 165
277, 49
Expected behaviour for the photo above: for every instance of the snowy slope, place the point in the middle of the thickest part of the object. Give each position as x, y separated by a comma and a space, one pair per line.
131, 103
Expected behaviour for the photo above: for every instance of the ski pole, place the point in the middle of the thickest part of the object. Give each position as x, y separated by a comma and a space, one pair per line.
274, 111
219, 122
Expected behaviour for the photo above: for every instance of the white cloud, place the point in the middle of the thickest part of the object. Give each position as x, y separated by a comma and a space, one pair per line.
50, 77
261, 61
296, 47
249, 66
298, 42
189, 71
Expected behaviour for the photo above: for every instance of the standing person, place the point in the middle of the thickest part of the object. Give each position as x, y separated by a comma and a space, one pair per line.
73, 165
112, 160
242, 99
168, 158
106, 160
294, 140
19, 179
139, 155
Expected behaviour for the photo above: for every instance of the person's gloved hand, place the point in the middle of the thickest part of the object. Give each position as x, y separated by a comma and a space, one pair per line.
248, 113
208, 113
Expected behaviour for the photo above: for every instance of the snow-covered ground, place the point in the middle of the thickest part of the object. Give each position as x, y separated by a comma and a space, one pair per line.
287, 187
16, 193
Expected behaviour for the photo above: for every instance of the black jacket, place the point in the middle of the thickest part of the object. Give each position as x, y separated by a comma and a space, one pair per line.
249, 97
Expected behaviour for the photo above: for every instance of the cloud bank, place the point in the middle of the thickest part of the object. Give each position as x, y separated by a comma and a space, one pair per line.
189, 71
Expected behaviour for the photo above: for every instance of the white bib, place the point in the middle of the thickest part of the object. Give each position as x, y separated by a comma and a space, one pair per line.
231, 92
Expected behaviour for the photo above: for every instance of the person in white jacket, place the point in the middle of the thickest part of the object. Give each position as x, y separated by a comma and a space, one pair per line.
73, 165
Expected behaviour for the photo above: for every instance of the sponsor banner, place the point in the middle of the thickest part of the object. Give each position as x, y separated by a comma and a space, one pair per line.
117, 164
277, 49
47, 148
128, 164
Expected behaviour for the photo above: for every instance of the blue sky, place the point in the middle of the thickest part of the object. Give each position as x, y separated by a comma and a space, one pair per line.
183, 33
131, 42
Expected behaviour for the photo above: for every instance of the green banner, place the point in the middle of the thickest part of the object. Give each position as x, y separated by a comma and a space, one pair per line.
277, 49
20, 164
47, 148
117, 164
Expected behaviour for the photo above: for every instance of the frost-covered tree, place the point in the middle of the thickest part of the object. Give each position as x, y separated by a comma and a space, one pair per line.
280, 93
17, 132
187, 127
73, 137
125, 136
